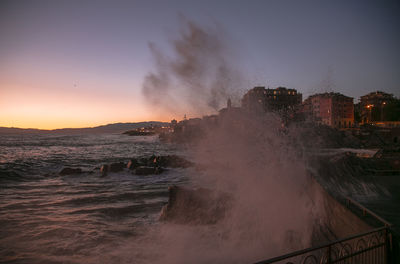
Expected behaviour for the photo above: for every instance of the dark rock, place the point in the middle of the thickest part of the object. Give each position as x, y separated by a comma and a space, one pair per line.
172, 161
147, 165
132, 164
117, 167
143, 170
104, 169
178, 162
113, 167
144, 161
196, 206
149, 161
69, 171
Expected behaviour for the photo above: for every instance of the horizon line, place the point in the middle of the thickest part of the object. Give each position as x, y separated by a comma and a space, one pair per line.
89, 127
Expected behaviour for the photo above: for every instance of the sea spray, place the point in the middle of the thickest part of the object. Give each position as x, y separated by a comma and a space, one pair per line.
199, 78
274, 207
249, 156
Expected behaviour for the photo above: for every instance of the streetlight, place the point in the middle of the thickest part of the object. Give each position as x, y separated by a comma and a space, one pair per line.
370, 114
383, 104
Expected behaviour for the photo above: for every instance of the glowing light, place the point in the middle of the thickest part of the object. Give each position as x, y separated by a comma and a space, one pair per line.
29, 107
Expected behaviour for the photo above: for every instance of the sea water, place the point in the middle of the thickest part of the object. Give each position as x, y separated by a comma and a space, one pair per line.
48, 218
88, 218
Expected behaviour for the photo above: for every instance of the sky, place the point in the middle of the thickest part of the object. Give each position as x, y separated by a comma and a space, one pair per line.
83, 63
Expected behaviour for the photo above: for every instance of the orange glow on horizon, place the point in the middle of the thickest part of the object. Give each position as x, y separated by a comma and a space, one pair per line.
54, 103
49, 123
25, 107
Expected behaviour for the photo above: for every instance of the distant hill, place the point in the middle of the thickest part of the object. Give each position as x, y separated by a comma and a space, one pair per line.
105, 129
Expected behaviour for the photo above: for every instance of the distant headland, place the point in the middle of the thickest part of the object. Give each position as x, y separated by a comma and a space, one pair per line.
109, 128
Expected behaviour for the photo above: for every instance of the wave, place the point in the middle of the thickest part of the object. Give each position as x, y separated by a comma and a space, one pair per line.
7, 175
123, 211
91, 199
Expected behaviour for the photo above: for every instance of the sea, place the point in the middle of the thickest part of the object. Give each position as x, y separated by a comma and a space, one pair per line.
48, 218
91, 218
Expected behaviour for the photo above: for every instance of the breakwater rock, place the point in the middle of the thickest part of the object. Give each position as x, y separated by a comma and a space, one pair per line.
195, 206
147, 165
171, 161
113, 167
138, 166
142, 170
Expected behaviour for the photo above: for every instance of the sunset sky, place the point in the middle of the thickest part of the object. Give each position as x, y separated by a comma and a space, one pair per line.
83, 63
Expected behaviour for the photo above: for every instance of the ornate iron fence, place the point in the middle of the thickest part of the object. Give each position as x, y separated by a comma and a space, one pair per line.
373, 247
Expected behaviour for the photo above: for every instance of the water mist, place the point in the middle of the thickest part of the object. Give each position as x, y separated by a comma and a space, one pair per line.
273, 206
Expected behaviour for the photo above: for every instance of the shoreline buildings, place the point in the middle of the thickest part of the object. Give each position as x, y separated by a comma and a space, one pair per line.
280, 99
377, 108
332, 109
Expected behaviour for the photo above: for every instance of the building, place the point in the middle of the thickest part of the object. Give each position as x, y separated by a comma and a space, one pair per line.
280, 99
375, 107
332, 109
229, 112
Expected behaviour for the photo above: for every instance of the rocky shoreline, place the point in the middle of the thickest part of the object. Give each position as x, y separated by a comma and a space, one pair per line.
137, 166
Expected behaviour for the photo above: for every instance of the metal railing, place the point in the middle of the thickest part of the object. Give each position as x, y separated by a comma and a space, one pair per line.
372, 247
365, 211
